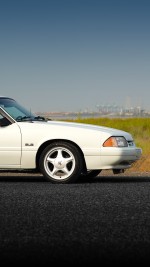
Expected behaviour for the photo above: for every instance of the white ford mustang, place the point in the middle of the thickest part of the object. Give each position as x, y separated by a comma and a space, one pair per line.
62, 151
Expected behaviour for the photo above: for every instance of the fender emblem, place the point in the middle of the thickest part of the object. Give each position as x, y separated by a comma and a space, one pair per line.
31, 144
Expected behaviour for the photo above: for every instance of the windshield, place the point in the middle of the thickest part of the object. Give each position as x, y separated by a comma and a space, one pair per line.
15, 110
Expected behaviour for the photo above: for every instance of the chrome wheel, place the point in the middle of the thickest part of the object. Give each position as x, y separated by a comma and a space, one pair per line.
61, 162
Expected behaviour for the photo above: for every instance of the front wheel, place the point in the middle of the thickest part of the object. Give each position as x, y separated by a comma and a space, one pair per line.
61, 162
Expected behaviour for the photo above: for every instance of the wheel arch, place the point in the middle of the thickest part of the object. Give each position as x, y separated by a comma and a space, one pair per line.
45, 144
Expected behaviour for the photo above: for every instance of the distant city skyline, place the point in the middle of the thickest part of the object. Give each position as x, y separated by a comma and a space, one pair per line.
128, 104
101, 107
67, 55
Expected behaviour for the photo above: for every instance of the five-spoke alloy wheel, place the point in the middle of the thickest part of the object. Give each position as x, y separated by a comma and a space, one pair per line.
61, 162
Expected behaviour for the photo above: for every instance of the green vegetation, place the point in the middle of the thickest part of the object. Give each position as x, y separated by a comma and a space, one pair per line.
138, 127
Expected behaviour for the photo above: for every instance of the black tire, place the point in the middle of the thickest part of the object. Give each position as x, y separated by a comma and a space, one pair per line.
90, 174
61, 162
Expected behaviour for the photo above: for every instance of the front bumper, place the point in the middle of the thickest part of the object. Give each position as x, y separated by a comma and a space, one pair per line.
114, 158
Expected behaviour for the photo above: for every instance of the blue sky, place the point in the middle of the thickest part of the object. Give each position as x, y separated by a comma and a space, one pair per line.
70, 55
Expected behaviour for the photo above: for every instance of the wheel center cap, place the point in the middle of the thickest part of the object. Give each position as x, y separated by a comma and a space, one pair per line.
59, 163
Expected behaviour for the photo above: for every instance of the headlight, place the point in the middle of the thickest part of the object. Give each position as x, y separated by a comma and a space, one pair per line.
115, 141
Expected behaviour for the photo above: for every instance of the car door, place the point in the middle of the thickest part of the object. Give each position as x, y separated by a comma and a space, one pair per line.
10, 143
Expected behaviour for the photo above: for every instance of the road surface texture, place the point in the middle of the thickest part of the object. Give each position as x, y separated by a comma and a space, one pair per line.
105, 221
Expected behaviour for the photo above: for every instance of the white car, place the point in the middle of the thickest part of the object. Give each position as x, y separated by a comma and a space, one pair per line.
62, 151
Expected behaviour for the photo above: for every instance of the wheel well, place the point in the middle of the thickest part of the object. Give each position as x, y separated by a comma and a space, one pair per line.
44, 145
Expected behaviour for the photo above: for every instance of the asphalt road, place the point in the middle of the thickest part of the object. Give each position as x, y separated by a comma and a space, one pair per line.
105, 221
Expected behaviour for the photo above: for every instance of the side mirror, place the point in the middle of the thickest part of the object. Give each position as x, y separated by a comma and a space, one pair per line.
4, 122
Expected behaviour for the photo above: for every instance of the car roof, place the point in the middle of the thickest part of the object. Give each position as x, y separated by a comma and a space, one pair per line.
6, 97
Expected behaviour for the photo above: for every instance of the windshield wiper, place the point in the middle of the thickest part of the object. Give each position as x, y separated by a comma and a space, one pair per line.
40, 118
28, 118
24, 118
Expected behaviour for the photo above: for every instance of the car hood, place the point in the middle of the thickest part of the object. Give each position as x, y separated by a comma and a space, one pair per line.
82, 126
